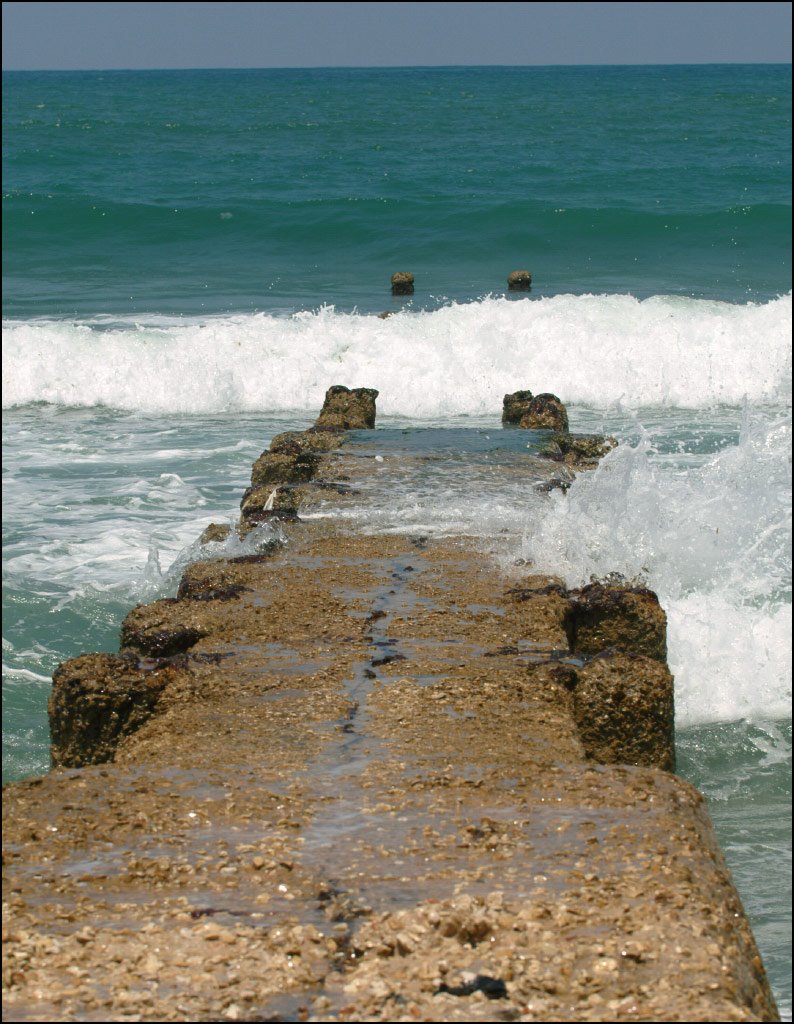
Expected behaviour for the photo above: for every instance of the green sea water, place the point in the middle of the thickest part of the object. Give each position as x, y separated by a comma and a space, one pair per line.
204, 192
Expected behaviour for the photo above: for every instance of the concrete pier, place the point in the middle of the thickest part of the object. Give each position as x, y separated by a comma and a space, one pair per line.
371, 777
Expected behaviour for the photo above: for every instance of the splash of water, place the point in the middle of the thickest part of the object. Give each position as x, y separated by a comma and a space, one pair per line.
714, 541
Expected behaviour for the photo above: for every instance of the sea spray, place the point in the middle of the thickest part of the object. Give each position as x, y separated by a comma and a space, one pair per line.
592, 350
714, 541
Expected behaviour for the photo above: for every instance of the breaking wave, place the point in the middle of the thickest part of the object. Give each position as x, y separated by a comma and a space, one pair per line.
592, 350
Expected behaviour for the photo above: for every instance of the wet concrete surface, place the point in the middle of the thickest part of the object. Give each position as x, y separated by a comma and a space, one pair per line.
376, 805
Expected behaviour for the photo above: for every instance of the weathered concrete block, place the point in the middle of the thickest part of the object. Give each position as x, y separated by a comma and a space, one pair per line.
280, 468
519, 280
584, 451
625, 618
545, 412
96, 700
259, 499
623, 705
215, 533
348, 409
297, 442
515, 406
160, 629
268, 503
550, 450
402, 283
215, 580
541, 609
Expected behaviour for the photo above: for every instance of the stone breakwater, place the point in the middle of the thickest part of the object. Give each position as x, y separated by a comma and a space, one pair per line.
371, 777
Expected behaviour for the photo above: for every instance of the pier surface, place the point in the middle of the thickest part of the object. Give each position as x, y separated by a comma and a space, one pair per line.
373, 775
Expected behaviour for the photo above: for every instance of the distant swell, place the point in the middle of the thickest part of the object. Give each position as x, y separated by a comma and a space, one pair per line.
592, 350
344, 220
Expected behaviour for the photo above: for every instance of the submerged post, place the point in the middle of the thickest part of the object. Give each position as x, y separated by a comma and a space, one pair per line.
519, 281
515, 406
348, 408
545, 412
402, 283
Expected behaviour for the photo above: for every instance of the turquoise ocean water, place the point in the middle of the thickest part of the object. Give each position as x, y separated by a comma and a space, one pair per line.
192, 258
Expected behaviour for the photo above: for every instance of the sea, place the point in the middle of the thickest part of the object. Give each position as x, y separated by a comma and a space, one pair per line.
192, 257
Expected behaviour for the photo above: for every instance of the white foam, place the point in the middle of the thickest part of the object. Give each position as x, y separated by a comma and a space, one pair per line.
25, 675
730, 661
593, 350
714, 541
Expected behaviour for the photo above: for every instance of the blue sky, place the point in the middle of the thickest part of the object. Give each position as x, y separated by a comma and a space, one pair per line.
185, 35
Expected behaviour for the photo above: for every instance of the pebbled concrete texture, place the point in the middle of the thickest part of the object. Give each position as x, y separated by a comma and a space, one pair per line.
371, 777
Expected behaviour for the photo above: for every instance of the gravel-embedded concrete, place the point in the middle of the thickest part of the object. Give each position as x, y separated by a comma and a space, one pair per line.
371, 778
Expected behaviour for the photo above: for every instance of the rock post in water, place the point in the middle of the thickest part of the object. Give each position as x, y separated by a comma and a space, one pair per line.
514, 407
619, 616
519, 281
281, 476
215, 533
402, 283
346, 409
545, 412
583, 451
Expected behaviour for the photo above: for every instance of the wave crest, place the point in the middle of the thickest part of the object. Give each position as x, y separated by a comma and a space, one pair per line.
592, 350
